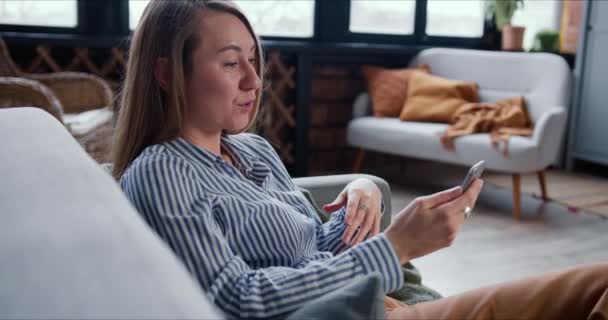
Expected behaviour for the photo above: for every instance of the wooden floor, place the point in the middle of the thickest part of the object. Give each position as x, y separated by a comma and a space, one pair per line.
492, 247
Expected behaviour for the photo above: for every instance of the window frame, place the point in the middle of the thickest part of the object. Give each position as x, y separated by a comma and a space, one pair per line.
370, 37
110, 19
465, 41
47, 29
271, 38
315, 29
93, 18
419, 37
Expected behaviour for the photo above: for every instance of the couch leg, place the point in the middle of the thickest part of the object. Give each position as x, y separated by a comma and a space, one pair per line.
358, 160
516, 196
543, 185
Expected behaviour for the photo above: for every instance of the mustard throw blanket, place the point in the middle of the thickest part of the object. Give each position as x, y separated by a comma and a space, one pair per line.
502, 120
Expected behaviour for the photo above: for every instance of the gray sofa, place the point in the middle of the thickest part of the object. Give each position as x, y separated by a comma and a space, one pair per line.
543, 79
73, 247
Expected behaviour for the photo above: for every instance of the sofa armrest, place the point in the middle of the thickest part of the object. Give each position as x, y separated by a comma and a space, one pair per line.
68, 232
548, 133
362, 105
325, 189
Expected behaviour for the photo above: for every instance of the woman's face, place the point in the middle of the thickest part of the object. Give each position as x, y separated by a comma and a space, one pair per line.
222, 86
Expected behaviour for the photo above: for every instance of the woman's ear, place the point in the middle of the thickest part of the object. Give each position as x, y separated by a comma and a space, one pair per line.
161, 72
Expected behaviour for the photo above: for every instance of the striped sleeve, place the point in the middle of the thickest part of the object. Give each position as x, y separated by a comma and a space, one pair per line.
165, 190
329, 234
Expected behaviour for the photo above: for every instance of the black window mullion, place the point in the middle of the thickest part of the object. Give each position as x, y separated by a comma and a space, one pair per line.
331, 20
122, 16
81, 16
420, 21
103, 18
317, 26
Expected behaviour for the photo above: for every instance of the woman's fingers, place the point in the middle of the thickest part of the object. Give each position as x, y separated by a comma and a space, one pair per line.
468, 199
336, 204
352, 208
439, 198
477, 186
352, 217
364, 229
376, 226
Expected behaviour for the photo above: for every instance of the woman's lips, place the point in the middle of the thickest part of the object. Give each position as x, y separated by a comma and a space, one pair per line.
245, 107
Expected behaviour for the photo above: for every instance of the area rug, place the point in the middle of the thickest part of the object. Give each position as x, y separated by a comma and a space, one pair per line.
579, 192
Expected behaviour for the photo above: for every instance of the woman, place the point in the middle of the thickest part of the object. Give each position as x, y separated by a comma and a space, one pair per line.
224, 202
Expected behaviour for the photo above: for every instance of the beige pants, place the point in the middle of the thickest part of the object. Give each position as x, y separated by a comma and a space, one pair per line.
577, 293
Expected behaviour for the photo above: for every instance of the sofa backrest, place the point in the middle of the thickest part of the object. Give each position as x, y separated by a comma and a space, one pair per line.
71, 244
544, 79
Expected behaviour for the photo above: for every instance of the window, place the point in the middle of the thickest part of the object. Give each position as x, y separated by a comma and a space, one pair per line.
136, 9
279, 18
455, 18
381, 16
537, 16
49, 13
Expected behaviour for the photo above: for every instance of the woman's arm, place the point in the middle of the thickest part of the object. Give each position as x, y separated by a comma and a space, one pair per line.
166, 191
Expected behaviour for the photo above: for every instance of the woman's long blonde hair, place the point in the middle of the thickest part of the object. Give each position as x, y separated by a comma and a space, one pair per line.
148, 114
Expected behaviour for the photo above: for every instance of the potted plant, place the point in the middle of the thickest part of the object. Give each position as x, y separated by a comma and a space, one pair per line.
502, 11
546, 41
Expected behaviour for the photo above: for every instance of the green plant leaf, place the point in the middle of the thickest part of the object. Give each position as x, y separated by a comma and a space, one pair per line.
503, 10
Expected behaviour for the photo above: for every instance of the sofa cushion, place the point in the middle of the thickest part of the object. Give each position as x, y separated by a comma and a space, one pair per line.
72, 246
436, 99
421, 140
388, 88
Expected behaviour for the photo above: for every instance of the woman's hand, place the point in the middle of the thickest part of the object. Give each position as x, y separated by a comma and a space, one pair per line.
363, 203
431, 222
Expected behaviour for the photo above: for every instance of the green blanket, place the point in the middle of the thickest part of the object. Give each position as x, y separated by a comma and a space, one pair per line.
413, 291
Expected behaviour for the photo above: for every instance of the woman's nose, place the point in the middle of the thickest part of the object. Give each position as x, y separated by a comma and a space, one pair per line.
250, 80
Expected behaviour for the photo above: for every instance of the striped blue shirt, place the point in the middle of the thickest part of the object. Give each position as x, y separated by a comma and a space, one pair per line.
246, 232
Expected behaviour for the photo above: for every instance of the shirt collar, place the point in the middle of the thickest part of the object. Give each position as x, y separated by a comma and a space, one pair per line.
246, 160
240, 152
192, 152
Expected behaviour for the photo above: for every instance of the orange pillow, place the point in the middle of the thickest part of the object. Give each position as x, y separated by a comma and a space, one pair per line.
388, 88
435, 99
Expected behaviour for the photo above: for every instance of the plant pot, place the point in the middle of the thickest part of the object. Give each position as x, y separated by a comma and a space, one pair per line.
512, 38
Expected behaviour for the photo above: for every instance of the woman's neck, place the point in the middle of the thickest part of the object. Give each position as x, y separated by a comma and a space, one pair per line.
208, 141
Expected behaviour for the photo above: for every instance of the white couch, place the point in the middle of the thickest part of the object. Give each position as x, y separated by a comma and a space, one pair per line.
543, 79
73, 246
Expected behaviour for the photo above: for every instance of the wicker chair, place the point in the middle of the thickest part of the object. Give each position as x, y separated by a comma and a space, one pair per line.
65, 95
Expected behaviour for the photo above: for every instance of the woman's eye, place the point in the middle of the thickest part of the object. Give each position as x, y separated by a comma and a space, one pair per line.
253, 60
231, 64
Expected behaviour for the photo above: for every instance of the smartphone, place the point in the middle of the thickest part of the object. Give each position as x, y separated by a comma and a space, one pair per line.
475, 172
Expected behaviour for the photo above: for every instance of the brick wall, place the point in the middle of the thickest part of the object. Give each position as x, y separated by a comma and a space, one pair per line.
334, 89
